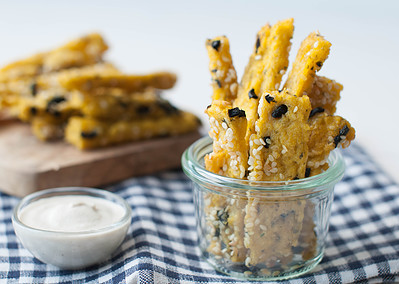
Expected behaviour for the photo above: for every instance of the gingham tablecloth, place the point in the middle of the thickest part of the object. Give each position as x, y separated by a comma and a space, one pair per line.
362, 246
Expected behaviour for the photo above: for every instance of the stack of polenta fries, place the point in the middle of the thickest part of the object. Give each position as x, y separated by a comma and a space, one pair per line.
72, 92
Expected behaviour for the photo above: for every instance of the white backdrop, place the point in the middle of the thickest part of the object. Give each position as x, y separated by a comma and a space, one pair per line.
145, 36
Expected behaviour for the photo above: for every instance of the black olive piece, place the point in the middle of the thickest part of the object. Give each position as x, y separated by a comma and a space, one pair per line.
236, 112
33, 89
319, 64
89, 134
297, 250
214, 70
50, 108
267, 145
269, 99
252, 94
143, 109
216, 44
257, 45
56, 100
167, 107
217, 232
33, 111
218, 83
342, 132
279, 111
223, 216
307, 172
315, 111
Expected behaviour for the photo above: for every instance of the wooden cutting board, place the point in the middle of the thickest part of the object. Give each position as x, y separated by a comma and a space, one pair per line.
28, 165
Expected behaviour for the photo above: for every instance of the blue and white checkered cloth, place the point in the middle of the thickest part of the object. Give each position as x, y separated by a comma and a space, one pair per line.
362, 247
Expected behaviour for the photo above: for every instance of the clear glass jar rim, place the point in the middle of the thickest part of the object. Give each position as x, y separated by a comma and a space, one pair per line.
197, 173
73, 190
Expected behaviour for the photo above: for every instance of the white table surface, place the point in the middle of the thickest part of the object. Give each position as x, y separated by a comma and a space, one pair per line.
145, 36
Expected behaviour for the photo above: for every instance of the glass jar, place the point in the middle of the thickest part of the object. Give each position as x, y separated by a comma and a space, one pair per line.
261, 230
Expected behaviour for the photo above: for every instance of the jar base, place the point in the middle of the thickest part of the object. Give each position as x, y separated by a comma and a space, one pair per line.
243, 272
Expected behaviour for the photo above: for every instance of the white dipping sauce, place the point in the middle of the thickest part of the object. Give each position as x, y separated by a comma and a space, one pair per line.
75, 228
71, 213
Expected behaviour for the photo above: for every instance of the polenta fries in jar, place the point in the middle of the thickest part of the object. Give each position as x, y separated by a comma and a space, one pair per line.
263, 181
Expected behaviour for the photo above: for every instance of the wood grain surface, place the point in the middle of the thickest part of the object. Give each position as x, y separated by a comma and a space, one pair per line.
28, 165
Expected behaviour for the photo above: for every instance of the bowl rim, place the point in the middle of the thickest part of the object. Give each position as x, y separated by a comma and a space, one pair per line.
65, 191
197, 173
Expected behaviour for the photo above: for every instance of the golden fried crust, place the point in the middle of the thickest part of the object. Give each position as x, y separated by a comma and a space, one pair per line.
130, 83
53, 109
312, 53
325, 94
112, 107
88, 133
326, 133
259, 49
43, 96
228, 127
82, 51
279, 148
266, 75
224, 76
46, 130
279, 46
21, 91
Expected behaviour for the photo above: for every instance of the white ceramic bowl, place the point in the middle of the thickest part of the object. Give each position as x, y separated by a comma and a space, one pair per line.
72, 250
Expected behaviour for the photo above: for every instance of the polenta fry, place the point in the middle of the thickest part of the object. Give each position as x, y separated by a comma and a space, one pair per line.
83, 51
312, 53
224, 76
88, 83
267, 74
326, 133
325, 94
